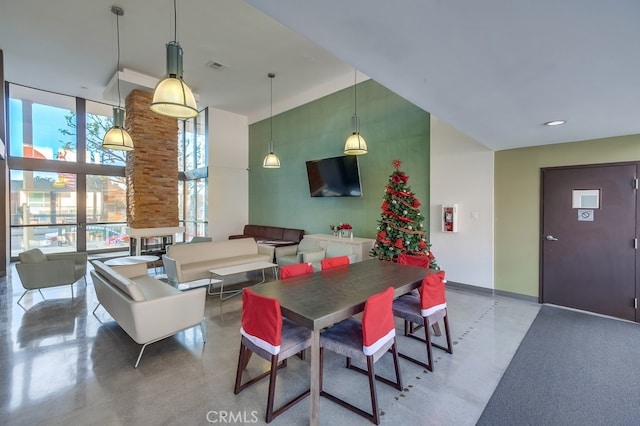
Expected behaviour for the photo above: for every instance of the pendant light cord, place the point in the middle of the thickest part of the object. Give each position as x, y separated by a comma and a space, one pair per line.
271, 77
271, 118
175, 21
118, 62
355, 93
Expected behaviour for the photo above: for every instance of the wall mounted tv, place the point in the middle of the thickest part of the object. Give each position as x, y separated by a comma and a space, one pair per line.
334, 177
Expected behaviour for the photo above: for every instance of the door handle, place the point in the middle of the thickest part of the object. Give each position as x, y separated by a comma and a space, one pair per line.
551, 238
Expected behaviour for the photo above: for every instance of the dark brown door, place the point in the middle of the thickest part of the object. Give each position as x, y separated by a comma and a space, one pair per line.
588, 248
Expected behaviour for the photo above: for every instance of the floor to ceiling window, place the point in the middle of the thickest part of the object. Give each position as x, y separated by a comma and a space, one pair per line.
67, 193
193, 176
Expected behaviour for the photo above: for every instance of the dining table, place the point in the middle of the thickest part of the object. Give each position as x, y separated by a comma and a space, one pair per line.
321, 299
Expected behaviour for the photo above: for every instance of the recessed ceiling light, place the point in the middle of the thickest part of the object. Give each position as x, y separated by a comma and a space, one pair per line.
555, 122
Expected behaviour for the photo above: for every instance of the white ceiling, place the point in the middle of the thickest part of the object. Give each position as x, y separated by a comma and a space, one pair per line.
494, 69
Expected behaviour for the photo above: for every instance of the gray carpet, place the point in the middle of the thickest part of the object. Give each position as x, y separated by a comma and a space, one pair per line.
571, 368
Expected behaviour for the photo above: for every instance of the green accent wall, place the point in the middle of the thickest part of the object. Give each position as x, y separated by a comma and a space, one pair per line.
517, 202
393, 128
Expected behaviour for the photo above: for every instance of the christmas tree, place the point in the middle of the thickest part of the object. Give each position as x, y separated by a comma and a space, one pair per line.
400, 228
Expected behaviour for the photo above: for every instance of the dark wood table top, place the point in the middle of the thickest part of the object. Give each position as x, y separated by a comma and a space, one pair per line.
320, 299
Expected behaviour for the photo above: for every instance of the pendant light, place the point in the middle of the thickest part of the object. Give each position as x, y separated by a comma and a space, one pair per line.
172, 97
117, 137
355, 144
271, 161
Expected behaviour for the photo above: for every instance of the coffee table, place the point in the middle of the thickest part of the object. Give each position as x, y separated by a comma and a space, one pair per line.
197, 284
238, 269
132, 260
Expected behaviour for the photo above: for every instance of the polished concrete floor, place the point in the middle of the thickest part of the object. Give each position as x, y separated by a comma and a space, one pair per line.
59, 364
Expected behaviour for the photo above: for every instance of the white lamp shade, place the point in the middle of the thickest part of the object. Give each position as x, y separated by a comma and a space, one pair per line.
355, 145
271, 161
117, 138
172, 97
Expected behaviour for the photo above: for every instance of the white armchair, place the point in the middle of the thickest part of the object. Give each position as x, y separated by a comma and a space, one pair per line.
38, 270
288, 255
332, 250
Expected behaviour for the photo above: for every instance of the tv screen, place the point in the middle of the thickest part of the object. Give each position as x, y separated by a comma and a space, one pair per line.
334, 177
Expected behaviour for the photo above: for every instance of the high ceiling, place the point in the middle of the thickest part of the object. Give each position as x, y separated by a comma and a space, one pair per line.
494, 69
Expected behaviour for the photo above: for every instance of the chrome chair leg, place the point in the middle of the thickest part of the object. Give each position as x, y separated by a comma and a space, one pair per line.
203, 330
26, 291
140, 355
95, 309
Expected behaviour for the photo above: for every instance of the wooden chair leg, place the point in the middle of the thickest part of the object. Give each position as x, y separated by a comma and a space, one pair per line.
247, 357
375, 415
396, 365
427, 337
446, 329
449, 347
436, 329
272, 388
242, 363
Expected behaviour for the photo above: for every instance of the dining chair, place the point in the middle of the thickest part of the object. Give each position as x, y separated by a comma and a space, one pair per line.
366, 341
265, 333
408, 259
290, 271
334, 262
423, 262
425, 310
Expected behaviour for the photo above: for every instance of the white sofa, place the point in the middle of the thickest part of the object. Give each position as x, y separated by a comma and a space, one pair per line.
191, 262
332, 250
147, 309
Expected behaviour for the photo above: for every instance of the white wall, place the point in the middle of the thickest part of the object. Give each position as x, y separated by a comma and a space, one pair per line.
462, 173
228, 175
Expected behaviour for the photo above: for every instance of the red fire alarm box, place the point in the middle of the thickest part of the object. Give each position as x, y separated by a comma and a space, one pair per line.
449, 218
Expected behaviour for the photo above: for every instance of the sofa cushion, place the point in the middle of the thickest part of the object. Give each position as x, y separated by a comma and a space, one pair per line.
153, 288
127, 286
267, 232
289, 259
32, 256
201, 252
313, 256
294, 235
308, 244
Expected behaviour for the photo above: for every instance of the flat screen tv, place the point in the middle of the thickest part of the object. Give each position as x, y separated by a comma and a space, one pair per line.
334, 177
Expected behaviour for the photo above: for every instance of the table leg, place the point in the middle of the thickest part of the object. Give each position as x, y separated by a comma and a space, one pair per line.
221, 288
315, 377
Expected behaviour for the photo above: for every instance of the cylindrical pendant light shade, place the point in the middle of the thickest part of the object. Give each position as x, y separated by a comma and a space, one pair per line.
271, 161
355, 145
117, 137
172, 97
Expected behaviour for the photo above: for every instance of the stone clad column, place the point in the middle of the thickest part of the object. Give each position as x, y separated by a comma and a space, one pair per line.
152, 167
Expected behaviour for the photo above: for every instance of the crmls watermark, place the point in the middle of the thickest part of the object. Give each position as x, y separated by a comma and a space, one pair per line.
223, 416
